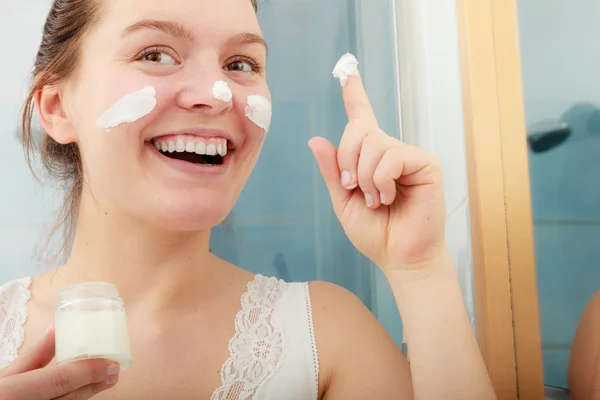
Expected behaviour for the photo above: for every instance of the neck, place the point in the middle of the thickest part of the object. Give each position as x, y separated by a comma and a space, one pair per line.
148, 265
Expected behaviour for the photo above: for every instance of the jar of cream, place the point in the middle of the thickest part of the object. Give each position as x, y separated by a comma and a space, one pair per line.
90, 323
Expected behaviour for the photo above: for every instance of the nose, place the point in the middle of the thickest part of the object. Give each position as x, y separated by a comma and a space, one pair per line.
196, 93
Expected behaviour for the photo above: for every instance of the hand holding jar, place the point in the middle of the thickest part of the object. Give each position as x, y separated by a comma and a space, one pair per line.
30, 376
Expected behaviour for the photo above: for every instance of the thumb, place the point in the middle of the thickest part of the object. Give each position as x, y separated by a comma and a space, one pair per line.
326, 155
37, 358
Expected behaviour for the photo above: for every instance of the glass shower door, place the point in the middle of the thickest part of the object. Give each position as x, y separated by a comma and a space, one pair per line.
283, 225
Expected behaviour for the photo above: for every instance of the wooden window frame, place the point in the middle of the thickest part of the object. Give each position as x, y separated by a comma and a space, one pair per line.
504, 268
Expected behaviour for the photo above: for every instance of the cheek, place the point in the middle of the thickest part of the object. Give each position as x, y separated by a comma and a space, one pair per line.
129, 108
122, 99
254, 106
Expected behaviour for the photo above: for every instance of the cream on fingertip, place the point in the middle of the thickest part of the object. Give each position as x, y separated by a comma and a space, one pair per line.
347, 66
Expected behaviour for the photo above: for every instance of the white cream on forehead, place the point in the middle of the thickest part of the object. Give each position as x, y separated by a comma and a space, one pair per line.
347, 66
130, 108
259, 111
221, 91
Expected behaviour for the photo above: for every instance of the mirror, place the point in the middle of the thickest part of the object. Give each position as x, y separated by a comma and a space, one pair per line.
562, 106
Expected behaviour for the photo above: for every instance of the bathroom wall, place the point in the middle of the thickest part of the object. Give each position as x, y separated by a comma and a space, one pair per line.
26, 208
283, 224
560, 70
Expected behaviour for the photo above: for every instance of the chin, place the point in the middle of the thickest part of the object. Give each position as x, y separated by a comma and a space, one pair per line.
196, 220
187, 212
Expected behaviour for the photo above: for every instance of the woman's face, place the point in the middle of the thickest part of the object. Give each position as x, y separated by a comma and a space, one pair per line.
180, 48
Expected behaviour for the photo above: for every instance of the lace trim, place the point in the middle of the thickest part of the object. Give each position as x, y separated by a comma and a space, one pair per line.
13, 314
313, 340
257, 348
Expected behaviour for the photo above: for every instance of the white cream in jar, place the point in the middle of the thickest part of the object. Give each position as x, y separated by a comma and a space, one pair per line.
90, 322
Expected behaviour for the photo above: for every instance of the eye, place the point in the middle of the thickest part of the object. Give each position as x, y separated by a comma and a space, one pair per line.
156, 57
243, 65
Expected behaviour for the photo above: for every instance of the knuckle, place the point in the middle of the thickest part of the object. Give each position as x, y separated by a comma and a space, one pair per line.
346, 158
355, 124
365, 178
78, 395
435, 162
379, 179
97, 371
355, 130
62, 380
370, 140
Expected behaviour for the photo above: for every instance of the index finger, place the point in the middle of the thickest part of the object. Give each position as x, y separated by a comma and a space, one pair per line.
39, 357
52, 382
355, 96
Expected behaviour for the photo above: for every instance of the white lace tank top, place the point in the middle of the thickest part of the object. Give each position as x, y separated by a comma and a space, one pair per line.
272, 356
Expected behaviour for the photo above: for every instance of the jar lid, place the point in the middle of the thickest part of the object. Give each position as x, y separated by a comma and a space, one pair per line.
88, 290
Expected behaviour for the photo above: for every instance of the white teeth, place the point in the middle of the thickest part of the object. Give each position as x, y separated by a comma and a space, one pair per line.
211, 149
222, 149
200, 148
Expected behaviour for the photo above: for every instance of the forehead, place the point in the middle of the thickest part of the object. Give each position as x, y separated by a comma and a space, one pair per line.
204, 18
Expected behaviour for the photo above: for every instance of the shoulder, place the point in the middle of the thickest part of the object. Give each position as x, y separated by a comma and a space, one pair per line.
584, 364
336, 308
14, 296
15, 290
355, 351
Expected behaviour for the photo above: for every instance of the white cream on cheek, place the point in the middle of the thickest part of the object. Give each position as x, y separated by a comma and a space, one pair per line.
221, 91
347, 66
259, 111
129, 109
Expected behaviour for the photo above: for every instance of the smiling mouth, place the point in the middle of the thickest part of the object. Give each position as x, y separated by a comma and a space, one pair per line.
194, 158
199, 152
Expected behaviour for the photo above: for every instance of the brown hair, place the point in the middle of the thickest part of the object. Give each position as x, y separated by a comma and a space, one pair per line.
67, 23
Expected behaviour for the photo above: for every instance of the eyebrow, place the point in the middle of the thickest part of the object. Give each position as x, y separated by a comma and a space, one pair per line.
177, 30
170, 27
248, 38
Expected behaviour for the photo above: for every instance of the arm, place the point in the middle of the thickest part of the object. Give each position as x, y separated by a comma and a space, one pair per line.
358, 358
445, 358
584, 364
389, 198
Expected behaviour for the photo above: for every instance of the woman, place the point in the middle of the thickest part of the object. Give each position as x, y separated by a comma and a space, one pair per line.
122, 89
584, 364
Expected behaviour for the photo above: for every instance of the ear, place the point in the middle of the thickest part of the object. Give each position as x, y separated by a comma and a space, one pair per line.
51, 110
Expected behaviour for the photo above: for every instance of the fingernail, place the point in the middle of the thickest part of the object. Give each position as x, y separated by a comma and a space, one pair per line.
112, 369
369, 199
112, 380
346, 178
382, 196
